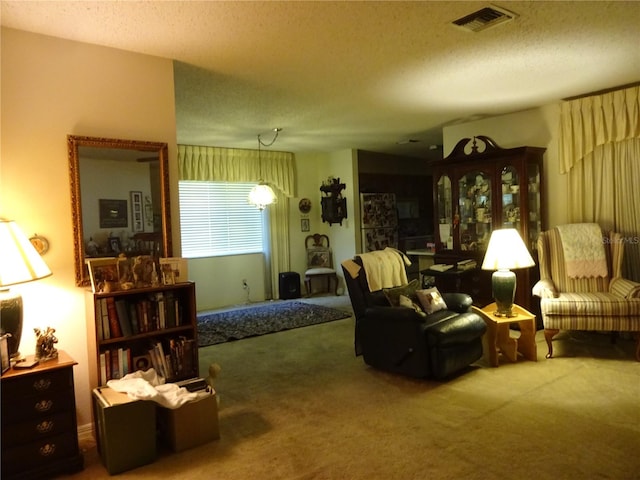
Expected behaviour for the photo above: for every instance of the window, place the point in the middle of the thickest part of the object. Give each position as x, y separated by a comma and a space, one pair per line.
216, 220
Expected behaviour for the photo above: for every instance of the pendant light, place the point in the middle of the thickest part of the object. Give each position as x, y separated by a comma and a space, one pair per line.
262, 195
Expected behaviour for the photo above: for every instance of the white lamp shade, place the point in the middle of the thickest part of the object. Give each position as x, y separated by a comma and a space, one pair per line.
506, 251
262, 195
19, 260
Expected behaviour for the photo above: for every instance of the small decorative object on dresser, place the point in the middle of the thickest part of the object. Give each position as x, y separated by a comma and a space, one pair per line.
45, 344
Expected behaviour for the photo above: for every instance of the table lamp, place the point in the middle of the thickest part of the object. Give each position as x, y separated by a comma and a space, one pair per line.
506, 251
19, 263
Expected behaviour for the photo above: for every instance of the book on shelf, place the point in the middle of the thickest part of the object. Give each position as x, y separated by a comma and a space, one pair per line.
103, 369
468, 264
114, 363
133, 317
123, 317
440, 267
102, 319
175, 361
114, 323
162, 312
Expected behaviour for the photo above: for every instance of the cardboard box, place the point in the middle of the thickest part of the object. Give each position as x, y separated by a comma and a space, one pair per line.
193, 424
126, 430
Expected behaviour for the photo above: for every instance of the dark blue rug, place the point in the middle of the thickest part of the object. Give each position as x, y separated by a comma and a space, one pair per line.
219, 327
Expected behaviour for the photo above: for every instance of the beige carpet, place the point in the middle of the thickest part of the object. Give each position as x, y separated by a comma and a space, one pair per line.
298, 405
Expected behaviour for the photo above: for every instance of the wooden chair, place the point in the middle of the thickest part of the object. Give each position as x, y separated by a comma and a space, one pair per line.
319, 263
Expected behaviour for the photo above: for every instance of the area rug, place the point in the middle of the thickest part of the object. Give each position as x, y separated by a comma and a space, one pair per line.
219, 327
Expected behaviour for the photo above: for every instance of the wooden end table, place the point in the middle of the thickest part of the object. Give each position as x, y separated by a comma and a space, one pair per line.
499, 339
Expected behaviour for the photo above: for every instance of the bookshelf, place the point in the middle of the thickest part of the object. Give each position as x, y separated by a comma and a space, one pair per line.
147, 327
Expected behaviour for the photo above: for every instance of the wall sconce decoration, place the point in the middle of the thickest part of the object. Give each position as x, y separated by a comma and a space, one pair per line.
304, 206
334, 205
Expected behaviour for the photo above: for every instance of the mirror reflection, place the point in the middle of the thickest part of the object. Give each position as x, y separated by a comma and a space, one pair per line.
120, 199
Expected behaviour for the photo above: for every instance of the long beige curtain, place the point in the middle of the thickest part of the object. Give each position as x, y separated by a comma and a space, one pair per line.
600, 151
218, 164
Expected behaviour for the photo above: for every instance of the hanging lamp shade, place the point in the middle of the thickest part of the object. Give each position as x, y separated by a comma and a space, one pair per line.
262, 195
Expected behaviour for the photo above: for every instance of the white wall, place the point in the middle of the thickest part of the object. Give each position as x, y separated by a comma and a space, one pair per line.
535, 128
52, 88
219, 280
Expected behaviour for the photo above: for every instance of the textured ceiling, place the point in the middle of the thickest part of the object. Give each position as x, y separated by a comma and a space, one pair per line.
336, 75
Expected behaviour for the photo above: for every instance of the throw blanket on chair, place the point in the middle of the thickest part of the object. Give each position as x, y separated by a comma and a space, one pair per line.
583, 249
385, 268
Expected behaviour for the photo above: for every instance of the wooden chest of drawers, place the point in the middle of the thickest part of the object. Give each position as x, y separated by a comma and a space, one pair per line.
39, 429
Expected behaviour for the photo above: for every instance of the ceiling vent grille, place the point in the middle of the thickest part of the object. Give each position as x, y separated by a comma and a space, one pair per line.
484, 18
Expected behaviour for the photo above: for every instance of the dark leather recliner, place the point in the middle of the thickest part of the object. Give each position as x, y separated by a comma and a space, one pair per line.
399, 340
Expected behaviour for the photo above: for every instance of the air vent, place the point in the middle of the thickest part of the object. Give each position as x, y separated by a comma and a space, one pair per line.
484, 18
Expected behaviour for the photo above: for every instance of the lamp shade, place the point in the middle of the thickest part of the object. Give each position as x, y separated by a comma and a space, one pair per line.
262, 195
19, 260
506, 251
19, 263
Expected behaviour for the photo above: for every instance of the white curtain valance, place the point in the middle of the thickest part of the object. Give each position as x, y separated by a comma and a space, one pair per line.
218, 164
588, 122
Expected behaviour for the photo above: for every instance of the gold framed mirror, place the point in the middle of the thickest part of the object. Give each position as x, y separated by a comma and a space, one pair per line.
119, 199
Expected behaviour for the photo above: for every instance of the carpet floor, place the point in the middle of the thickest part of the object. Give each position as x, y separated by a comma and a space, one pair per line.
235, 324
299, 405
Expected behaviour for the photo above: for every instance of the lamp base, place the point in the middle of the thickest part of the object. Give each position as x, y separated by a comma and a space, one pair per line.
11, 320
503, 283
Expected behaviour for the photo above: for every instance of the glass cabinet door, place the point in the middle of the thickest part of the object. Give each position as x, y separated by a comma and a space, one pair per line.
474, 211
445, 211
535, 213
511, 198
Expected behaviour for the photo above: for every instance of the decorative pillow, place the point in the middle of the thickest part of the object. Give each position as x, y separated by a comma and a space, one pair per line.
408, 303
408, 290
431, 300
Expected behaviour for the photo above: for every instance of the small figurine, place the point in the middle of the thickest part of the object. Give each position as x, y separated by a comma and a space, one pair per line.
45, 344
92, 248
214, 371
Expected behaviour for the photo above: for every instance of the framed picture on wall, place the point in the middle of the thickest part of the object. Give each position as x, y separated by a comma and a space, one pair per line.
113, 213
304, 224
137, 217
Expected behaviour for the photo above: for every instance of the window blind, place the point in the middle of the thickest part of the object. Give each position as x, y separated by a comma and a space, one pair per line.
216, 219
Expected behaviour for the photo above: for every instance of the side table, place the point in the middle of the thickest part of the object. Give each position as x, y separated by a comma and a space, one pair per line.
499, 339
39, 430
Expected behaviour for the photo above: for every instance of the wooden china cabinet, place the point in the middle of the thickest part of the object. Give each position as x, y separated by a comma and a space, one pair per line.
481, 187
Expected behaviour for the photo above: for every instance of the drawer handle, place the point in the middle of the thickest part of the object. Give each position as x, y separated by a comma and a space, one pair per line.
45, 426
42, 384
47, 450
44, 405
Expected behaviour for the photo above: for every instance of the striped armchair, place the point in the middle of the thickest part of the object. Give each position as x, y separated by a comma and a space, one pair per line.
605, 303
